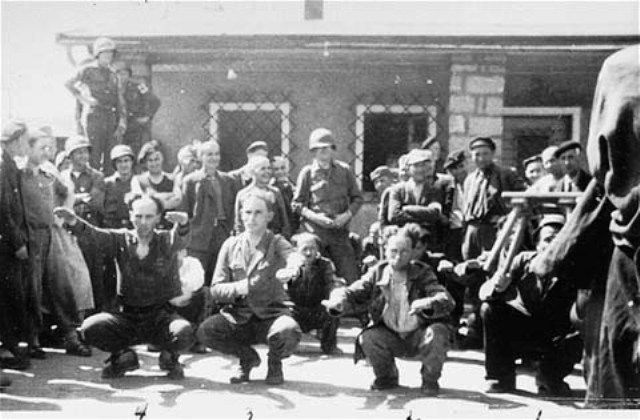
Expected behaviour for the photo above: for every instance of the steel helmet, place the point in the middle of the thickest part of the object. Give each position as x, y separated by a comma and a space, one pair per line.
74, 143
321, 137
121, 150
102, 45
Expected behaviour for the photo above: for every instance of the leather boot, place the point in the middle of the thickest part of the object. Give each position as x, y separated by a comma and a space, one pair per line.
274, 373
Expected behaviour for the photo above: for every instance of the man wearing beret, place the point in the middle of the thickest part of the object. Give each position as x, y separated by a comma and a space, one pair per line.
13, 247
327, 197
575, 178
423, 199
533, 169
483, 207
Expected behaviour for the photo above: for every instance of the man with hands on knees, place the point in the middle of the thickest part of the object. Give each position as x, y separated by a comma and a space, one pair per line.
149, 285
410, 312
249, 283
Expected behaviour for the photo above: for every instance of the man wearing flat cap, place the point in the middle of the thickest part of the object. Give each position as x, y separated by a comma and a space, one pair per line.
423, 199
483, 208
327, 197
524, 314
456, 168
242, 175
13, 247
575, 178
382, 178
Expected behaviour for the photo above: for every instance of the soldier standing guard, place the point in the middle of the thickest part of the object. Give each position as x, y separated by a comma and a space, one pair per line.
97, 88
141, 105
327, 197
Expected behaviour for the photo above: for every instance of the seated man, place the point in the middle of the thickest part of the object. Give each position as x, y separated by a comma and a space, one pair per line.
524, 315
245, 282
410, 312
149, 283
311, 284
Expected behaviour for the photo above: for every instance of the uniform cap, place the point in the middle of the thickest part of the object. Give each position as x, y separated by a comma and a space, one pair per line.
531, 159
321, 137
567, 145
74, 143
482, 142
257, 145
379, 172
121, 150
102, 45
454, 158
552, 219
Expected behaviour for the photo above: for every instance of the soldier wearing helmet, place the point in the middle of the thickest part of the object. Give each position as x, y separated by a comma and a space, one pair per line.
117, 186
88, 186
100, 94
141, 104
327, 197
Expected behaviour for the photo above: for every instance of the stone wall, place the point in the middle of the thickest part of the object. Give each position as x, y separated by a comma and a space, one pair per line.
476, 98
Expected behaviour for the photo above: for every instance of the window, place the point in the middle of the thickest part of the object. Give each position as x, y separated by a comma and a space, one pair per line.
384, 132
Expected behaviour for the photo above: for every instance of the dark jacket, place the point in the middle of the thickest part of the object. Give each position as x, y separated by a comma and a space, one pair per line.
422, 284
13, 228
266, 297
487, 205
312, 284
88, 181
198, 200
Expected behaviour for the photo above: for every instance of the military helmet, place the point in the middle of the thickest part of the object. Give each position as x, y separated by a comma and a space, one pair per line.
74, 143
121, 150
102, 45
321, 137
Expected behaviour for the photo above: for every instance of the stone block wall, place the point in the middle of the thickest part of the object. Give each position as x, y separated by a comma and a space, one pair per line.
476, 98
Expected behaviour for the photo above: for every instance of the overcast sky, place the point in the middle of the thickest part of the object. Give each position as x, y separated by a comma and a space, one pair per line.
34, 67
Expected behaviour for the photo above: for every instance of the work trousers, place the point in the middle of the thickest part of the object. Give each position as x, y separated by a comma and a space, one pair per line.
381, 345
510, 334
282, 334
39, 244
478, 237
136, 135
310, 318
95, 260
99, 127
159, 326
13, 275
337, 247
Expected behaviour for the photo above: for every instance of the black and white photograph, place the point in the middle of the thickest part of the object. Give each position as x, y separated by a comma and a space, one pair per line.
292, 209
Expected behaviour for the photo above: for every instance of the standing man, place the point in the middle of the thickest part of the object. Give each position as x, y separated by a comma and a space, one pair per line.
13, 247
327, 197
575, 178
150, 283
89, 201
456, 167
250, 282
483, 208
431, 144
242, 175
39, 190
141, 105
423, 199
117, 186
208, 198
98, 90
382, 178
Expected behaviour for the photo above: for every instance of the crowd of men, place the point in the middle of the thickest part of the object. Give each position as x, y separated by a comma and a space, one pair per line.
100, 242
